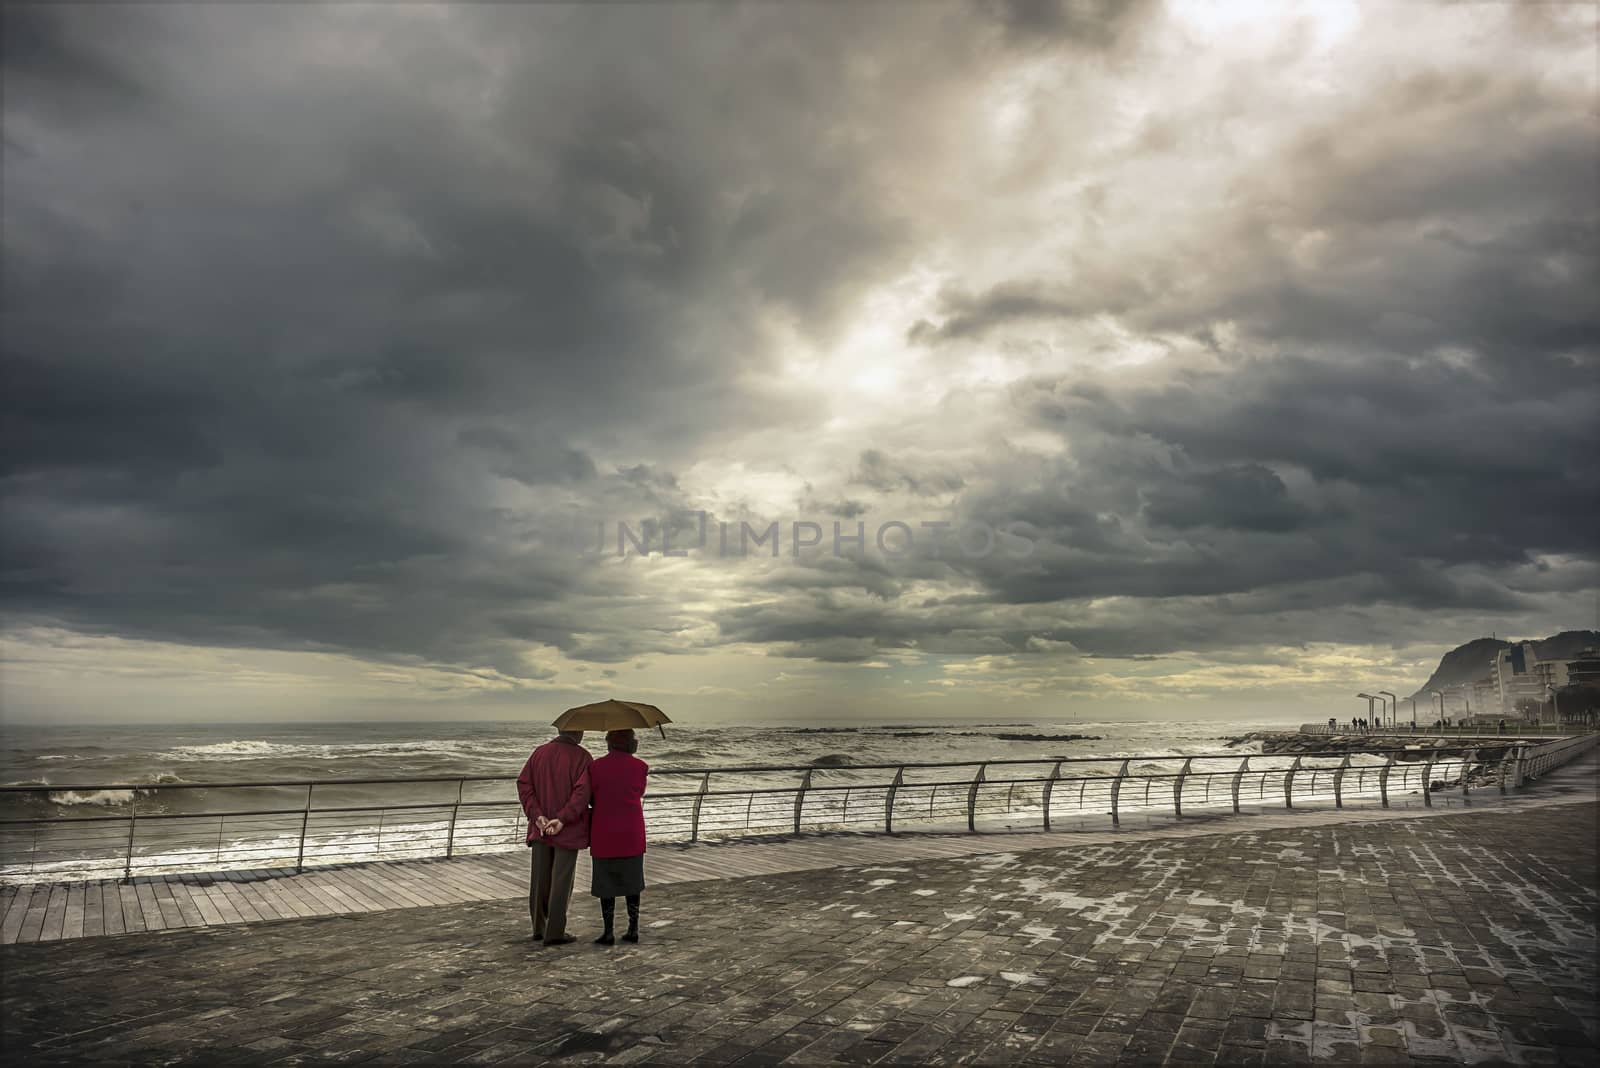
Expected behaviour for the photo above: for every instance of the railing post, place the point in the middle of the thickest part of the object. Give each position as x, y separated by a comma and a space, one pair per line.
1505, 768
888, 801
305, 818
800, 798
455, 810
1177, 788
1288, 783
1116, 792
1338, 782
1049, 788
1383, 781
1465, 767
1238, 778
699, 797
972, 797
133, 820
1427, 780
1522, 754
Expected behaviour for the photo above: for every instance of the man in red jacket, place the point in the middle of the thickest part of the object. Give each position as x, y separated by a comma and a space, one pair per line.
554, 787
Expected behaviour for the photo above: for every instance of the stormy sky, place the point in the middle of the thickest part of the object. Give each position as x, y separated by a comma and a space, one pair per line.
1249, 351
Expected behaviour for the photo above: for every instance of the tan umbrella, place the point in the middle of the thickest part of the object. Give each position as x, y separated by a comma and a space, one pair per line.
612, 715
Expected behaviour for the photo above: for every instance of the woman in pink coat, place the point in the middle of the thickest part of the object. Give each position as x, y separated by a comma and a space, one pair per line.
616, 831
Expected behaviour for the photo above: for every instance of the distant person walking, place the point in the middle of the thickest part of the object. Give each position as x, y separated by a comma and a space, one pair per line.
616, 834
554, 787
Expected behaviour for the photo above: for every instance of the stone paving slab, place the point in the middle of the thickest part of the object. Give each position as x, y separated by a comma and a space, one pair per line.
1455, 938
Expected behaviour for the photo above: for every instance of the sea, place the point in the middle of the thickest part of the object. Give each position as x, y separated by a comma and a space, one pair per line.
366, 773
100, 765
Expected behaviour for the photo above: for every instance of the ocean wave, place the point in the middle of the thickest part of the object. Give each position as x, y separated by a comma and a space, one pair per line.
245, 748
257, 749
103, 798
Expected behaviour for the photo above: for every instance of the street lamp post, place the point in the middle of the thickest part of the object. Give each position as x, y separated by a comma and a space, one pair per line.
1440, 695
1393, 700
1370, 698
1413, 701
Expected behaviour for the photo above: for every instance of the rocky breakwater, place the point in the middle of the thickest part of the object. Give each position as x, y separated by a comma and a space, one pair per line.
1483, 762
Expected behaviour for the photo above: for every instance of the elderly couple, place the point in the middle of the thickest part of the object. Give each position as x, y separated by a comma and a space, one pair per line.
573, 802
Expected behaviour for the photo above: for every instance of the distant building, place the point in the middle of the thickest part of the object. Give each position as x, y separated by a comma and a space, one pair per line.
1584, 669
1520, 675
1486, 697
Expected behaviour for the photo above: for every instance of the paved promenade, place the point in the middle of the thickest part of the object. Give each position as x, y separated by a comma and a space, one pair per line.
1456, 937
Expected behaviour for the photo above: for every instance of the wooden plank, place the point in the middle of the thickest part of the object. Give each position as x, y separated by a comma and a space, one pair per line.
300, 898
221, 902
408, 877
459, 880
94, 917
164, 903
313, 892
72, 918
33, 921
349, 902
16, 912
111, 908
394, 878
55, 914
350, 881
132, 911
288, 899
479, 884
513, 880
242, 902
191, 915
266, 908
687, 870
150, 905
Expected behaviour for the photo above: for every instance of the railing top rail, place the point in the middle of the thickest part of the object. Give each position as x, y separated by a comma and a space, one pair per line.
1507, 739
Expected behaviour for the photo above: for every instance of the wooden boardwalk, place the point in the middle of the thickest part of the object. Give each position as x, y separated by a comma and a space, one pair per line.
47, 912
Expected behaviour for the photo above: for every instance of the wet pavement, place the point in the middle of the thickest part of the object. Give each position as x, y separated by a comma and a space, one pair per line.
1457, 937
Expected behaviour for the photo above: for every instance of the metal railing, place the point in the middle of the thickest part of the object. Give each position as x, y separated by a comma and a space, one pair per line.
174, 827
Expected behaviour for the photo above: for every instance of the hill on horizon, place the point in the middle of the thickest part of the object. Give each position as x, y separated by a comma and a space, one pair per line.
1474, 660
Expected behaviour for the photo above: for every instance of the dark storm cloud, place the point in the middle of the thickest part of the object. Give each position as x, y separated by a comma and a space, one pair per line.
281, 324
1091, 23
879, 472
324, 325
1442, 209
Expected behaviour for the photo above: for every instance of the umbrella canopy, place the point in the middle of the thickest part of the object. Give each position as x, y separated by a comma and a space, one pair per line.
612, 715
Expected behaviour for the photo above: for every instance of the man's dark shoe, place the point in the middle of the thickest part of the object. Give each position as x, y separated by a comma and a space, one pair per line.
605, 940
630, 936
562, 941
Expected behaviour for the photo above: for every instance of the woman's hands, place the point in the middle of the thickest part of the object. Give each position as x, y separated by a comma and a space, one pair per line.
547, 826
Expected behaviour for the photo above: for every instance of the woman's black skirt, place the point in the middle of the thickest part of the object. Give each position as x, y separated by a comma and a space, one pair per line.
616, 876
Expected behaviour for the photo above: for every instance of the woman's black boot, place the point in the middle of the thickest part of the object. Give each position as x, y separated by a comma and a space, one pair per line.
608, 913
632, 934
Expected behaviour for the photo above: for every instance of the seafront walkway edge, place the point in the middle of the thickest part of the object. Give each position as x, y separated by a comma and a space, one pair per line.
48, 912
